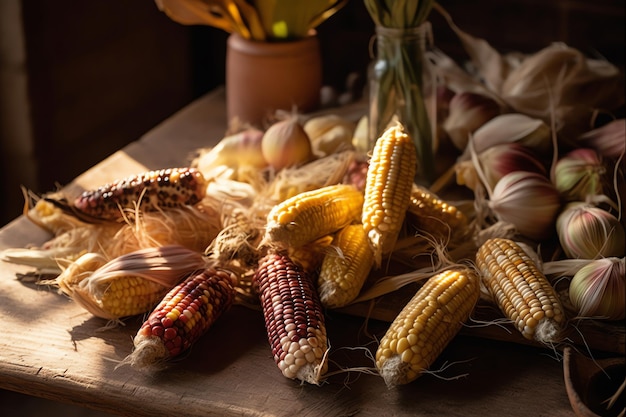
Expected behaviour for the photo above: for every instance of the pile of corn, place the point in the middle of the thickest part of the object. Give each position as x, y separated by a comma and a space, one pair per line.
182, 245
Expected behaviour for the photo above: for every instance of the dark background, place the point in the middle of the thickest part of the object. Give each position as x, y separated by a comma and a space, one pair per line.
80, 80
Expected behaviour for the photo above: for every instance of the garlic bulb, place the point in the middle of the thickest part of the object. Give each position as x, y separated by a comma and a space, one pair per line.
513, 127
467, 112
608, 140
578, 174
598, 289
496, 162
286, 144
528, 201
589, 232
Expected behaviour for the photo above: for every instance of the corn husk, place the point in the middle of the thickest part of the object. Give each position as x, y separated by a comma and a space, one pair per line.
557, 84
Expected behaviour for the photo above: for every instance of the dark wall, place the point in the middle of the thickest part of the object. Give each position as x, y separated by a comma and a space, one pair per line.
103, 72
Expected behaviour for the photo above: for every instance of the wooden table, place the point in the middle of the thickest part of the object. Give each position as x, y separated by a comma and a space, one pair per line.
52, 348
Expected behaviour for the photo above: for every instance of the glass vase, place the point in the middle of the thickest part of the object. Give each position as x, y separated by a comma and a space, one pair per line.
401, 88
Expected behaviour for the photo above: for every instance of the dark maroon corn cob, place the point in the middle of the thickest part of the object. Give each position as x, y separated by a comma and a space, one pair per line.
294, 318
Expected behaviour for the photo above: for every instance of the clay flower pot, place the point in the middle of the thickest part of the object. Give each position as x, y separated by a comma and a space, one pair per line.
262, 77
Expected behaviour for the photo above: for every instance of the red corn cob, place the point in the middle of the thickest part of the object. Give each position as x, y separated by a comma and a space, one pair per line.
294, 318
184, 314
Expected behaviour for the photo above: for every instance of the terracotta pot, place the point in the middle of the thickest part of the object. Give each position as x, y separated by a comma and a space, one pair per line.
262, 77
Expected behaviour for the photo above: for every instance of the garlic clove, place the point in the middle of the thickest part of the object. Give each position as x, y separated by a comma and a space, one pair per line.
467, 112
608, 140
513, 127
588, 232
598, 289
579, 173
528, 201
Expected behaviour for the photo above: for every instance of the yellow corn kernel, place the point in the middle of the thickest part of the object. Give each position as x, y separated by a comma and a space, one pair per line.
312, 214
388, 189
520, 289
426, 325
345, 269
434, 218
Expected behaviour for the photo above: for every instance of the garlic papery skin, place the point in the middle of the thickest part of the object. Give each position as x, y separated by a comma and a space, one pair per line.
513, 127
579, 174
598, 289
589, 232
608, 140
528, 201
286, 144
467, 112
498, 161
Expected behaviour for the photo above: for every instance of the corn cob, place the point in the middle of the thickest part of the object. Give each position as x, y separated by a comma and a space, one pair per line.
128, 285
388, 189
426, 325
294, 318
185, 313
435, 218
344, 271
520, 289
152, 190
312, 214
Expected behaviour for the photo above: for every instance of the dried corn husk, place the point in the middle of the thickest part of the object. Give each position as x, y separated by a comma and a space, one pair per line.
556, 84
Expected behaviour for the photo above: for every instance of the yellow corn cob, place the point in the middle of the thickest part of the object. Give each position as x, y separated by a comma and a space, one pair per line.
426, 325
313, 214
185, 313
520, 289
435, 218
294, 318
345, 269
128, 285
152, 190
388, 189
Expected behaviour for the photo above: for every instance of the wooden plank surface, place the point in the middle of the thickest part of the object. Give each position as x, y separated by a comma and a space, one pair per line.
54, 349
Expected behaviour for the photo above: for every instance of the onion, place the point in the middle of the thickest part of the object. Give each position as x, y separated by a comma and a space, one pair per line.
286, 144
528, 201
589, 232
598, 289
